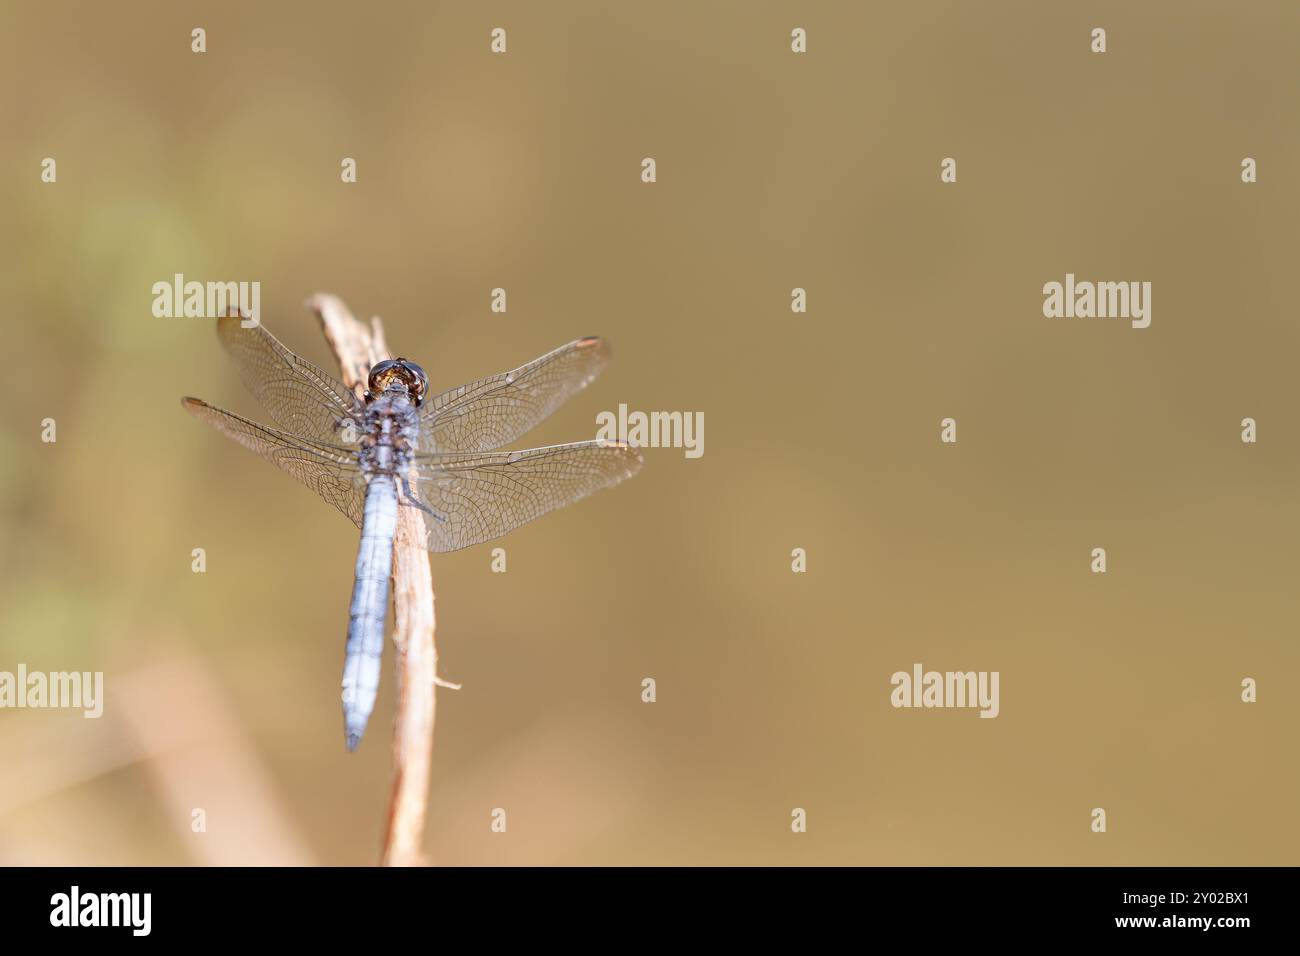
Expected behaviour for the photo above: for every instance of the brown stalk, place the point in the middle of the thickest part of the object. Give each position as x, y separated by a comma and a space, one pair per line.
357, 348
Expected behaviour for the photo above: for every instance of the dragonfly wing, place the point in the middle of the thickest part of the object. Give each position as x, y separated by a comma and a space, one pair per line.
299, 397
329, 470
496, 411
478, 497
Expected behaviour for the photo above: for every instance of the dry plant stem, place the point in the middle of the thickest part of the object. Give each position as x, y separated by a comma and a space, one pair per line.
357, 348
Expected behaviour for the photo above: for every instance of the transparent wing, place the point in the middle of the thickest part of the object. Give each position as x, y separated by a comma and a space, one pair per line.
475, 498
329, 470
496, 411
299, 397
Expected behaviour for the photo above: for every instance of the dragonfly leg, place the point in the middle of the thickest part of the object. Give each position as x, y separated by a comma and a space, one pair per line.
412, 500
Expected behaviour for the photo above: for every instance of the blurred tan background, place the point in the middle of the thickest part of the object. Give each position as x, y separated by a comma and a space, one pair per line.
775, 171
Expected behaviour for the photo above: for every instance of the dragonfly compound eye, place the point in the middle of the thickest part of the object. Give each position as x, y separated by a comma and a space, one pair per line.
399, 374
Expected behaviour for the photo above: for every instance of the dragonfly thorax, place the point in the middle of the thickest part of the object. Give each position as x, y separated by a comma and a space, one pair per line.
392, 429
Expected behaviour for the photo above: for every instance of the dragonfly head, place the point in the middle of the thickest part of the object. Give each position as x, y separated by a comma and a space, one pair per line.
398, 375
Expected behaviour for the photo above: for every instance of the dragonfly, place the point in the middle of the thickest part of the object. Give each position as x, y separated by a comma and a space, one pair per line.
399, 447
